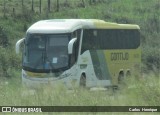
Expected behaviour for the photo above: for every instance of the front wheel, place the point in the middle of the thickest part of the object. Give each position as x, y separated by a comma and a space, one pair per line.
83, 81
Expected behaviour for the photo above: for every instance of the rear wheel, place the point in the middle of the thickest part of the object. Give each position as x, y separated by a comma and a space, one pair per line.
121, 80
128, 74
83, 80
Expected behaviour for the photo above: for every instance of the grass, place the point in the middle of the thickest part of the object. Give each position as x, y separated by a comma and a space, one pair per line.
136, 93
144, 92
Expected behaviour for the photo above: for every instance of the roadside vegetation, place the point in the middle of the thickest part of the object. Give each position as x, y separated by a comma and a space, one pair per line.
15, 19
144, 92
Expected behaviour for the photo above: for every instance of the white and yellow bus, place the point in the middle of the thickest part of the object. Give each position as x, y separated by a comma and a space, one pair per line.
79, 52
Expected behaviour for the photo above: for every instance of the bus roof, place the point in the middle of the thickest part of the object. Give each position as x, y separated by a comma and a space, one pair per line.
70, 25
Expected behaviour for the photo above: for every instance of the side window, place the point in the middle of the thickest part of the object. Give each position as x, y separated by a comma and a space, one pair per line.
89, 40
119, 39
95, 39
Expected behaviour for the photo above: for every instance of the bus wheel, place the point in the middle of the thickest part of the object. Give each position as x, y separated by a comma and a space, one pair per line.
121, 78
128, 74
83, 80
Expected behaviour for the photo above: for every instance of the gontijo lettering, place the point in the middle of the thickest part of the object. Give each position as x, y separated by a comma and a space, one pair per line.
119, 56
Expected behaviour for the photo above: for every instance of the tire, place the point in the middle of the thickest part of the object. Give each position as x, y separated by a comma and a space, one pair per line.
128, 74
83, 81
121, 78
121, 81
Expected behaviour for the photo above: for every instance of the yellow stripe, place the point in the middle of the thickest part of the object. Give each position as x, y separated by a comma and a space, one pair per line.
38, 75
108, 25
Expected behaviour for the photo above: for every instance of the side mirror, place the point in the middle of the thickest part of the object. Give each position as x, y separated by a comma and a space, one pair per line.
70, 45
18, 45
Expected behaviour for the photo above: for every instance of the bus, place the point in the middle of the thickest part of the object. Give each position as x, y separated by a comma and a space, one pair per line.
79, 52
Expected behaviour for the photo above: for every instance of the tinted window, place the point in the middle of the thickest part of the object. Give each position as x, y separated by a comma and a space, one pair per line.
110, 39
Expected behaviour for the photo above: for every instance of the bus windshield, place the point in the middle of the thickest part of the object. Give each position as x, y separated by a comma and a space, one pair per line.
46, 52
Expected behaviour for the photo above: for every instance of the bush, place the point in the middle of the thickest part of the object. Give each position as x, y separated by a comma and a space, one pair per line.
3, 37
8, 61
151, 57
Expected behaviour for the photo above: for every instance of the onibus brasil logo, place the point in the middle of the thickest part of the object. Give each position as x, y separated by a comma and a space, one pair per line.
21, 109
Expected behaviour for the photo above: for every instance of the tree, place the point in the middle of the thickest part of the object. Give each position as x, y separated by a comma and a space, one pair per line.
40, 6
32, 6
49, 5
83, 3
92, 1
57, 5
3, 37
66, 4
4, 8
22, 6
